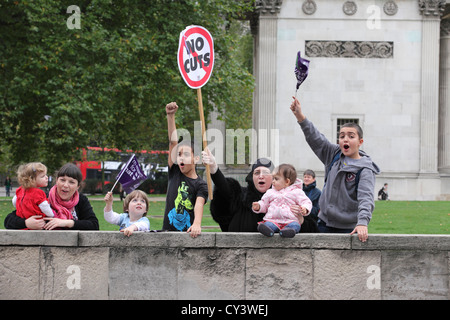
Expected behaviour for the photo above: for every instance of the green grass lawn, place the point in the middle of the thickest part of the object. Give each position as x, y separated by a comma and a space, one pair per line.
411, 217
389, 217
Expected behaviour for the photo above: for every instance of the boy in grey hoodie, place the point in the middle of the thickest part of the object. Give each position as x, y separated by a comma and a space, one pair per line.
347, 199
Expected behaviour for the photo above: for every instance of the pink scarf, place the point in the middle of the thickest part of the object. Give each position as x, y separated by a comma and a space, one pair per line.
63, 208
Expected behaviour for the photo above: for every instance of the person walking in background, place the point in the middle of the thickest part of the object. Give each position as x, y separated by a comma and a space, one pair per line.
383, 193
8, 184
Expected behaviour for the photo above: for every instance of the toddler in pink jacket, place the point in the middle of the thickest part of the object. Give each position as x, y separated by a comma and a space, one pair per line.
285, 204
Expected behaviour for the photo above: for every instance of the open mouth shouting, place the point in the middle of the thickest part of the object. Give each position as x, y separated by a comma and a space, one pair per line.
349, 141
263, 185
262, 179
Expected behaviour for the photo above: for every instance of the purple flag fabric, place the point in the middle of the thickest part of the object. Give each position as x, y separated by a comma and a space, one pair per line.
301, 69
131, 176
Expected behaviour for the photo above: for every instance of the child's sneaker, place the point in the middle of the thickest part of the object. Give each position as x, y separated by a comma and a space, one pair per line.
265, 230
287, 233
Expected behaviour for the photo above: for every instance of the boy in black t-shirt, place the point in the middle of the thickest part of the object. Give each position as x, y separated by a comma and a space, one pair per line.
187, 192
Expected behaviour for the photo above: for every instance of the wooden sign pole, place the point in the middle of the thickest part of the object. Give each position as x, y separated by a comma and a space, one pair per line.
202, 119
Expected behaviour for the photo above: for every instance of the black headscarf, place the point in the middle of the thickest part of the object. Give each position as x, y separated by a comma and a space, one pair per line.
252, 193
262, 162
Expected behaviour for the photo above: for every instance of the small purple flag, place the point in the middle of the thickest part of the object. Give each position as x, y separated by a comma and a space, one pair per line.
131, 176
301, 70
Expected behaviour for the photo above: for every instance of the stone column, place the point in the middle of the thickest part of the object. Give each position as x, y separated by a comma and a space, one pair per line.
264, 102
444, 99
431, 11
216, 136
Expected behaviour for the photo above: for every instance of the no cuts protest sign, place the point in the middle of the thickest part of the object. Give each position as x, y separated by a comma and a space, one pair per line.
196, 61
195, 56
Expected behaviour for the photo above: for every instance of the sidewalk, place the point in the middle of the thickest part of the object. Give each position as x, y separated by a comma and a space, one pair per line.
117, 198
3, 192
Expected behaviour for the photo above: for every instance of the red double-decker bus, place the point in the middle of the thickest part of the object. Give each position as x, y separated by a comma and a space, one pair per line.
93, 170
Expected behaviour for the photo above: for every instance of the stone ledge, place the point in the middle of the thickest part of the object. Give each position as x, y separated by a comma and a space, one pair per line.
300, 241
54, 238
62, 238
145, 239
404, 242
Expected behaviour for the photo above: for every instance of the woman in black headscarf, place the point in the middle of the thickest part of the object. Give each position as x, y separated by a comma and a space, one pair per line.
231, 206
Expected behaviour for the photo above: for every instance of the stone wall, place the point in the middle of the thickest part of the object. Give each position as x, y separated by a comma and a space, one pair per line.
107, 265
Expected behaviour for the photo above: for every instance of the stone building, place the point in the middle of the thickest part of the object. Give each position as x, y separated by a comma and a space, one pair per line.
382, 63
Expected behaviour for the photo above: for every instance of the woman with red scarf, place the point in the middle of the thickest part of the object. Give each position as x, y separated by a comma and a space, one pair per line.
72, 209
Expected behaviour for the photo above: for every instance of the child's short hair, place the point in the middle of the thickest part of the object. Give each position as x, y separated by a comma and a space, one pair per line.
355, 126
27, 173
287, 171
131, 196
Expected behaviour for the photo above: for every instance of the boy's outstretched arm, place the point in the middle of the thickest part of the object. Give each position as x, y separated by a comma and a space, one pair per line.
297, 110
171, 109
196, 228
320, 145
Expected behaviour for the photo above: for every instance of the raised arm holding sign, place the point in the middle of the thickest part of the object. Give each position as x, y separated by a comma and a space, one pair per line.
196, 61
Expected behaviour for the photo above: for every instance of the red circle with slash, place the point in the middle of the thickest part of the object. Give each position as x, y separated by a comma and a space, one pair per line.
196, 56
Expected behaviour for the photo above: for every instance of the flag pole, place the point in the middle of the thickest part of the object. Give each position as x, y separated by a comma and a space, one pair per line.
114, 185
202, 119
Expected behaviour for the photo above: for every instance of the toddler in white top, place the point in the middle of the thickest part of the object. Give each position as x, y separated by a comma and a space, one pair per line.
285, 204
134, 218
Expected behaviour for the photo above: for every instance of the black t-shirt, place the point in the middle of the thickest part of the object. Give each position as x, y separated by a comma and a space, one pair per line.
182, 193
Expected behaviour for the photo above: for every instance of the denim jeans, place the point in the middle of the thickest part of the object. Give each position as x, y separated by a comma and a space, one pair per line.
324, 229
293, 225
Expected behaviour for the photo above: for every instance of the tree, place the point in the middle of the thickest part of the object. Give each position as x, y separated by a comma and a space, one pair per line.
107, 82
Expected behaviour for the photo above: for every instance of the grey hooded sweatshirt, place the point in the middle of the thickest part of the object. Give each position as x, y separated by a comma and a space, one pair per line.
344, 204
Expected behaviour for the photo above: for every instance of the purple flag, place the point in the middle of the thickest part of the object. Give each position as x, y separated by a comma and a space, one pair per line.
131, 176
301, 69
